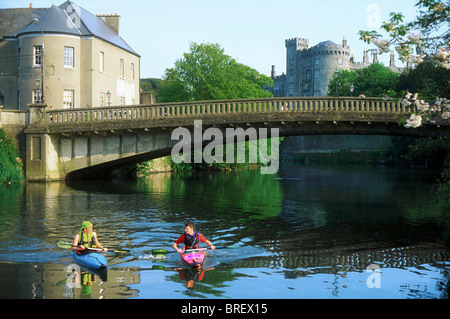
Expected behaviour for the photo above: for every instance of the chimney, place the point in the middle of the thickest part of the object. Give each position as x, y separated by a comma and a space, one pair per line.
392, 59
112, 20
31, 5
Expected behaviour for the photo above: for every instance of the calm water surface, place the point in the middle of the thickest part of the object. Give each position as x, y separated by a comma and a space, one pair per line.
307, 232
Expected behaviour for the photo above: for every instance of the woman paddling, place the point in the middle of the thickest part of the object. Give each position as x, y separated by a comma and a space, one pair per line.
86, 239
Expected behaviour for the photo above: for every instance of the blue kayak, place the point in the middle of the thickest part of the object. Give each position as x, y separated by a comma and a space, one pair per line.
91, 260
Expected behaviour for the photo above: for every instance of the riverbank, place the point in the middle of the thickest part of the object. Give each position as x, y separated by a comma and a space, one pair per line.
11, 166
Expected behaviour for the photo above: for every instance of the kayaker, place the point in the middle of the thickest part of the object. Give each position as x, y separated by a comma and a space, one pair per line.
86, 238
191, 238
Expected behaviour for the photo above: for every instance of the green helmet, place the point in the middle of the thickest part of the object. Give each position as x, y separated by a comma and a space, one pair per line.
86, 224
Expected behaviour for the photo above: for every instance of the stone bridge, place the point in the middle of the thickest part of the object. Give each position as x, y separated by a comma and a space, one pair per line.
75, 143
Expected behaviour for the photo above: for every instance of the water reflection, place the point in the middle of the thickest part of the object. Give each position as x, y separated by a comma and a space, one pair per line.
308, 232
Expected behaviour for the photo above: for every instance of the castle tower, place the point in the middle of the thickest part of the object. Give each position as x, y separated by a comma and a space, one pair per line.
292, 47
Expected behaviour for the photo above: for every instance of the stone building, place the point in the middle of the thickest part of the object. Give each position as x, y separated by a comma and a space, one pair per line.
65, 57
309, 69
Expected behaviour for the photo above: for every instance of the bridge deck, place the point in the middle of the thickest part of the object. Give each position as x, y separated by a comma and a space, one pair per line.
335, 109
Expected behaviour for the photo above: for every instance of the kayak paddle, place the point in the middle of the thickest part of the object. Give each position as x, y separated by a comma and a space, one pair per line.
66, 245
165, 252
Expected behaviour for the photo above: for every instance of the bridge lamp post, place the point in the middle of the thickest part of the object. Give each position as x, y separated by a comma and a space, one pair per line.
351, 89
36, 22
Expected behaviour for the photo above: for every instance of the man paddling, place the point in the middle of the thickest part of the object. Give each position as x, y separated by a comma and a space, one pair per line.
191, 238
86, 239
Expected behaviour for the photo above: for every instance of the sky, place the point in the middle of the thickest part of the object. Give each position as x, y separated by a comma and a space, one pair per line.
253, 32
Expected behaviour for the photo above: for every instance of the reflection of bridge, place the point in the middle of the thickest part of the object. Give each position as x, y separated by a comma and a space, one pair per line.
62, 143
303, 262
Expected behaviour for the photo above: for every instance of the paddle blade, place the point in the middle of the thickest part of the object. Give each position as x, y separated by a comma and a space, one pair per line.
121, 252
63, 244
159, 252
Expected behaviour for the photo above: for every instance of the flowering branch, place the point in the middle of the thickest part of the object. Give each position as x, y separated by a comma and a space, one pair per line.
427, 47
437, 112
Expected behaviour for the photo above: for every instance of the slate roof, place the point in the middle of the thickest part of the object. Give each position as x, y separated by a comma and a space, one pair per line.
327, 43
12, 20
69, 18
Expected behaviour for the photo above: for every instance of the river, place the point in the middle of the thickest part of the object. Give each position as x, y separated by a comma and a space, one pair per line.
306, 232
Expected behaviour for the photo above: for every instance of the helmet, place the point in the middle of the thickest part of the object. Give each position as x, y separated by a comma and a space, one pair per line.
86, 224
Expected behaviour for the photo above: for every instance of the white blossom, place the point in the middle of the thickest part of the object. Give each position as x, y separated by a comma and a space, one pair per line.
416, 59
415, 38
383, 45
442, 55
403, 49
438, 110
414, 121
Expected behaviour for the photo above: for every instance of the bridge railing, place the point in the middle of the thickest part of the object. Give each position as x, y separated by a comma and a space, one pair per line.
205, 108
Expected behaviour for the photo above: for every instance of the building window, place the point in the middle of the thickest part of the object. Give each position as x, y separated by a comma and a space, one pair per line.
308, 74
316, 73
68, 57
37, 55
132, 72
122, 101
102, 61
37, 96
317, 61
68, 102
340, 61
121, 69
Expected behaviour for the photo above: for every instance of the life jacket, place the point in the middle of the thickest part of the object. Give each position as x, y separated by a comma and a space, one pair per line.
191, 241
87, 240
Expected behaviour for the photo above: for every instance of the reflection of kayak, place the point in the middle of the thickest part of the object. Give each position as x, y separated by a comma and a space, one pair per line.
91, 260
194, 257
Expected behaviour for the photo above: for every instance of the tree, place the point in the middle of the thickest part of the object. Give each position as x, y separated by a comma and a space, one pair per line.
429, 79
374, 81
341, 83
426, 38
207, 73
151, 85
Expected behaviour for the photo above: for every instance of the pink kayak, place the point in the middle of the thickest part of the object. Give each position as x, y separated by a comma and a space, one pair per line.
194, 257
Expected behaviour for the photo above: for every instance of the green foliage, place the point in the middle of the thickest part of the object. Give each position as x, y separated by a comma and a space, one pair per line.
419, 152
443, 187
10, 163
207, 73
426, 37
428, 152
151, 85
238, 148
429, 79
373, 81
433, 16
